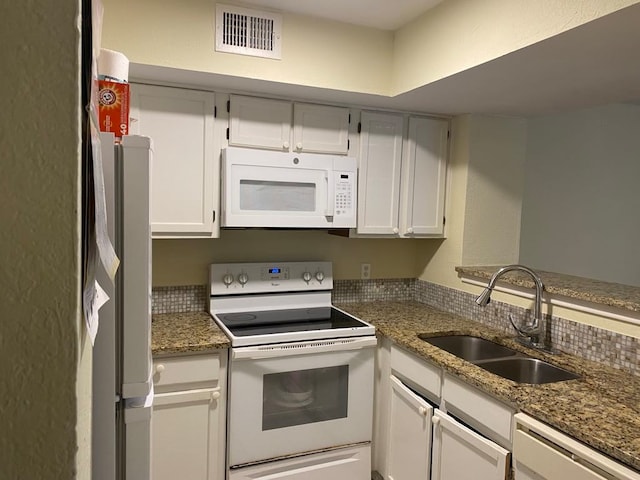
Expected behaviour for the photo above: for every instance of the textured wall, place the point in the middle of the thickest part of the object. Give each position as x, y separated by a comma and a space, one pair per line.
39, 245
581, 202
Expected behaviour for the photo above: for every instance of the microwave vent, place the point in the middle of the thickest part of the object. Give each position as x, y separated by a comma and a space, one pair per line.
248, 32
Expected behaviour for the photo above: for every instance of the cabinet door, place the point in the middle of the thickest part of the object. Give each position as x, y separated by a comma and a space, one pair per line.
459, 453
320, 128
423, 178
184, 435
379, 173
260, 123
409, 449
184, 168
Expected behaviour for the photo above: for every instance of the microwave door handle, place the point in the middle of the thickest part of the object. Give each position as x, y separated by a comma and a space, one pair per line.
328, 176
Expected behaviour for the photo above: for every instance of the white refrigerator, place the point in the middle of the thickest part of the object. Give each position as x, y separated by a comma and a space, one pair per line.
122, 365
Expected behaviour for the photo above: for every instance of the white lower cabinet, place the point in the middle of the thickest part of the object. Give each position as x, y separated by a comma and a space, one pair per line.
409, 450
459, 453
188, 420
424, 442
542, 453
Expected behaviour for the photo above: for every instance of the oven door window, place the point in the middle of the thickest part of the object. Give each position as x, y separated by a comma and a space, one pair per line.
304, 396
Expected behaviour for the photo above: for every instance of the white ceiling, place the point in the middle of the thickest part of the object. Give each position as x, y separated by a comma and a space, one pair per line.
383, 14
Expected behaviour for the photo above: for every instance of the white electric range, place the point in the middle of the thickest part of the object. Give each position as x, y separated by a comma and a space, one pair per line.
300, 375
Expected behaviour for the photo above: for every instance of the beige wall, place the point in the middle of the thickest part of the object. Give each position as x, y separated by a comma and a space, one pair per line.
460, 34
45, 407
497, 147
454, 36
484, 198
185, 262
314, 52
472, 200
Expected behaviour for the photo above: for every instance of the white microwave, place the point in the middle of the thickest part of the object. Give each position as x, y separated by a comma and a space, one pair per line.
288, 190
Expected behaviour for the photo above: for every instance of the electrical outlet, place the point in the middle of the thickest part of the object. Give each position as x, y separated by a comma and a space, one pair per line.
365, 271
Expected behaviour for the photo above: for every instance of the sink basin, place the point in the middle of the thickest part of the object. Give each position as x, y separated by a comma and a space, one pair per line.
527, 370
469, 348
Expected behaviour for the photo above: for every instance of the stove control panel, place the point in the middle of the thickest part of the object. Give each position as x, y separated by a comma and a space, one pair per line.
272, 277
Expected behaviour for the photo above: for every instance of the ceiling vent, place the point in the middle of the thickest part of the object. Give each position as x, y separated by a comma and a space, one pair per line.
248, 32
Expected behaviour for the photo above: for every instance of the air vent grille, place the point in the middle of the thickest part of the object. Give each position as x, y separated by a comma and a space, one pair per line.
248, 32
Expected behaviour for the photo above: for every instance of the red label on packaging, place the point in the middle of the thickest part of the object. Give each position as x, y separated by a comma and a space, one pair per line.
113, 100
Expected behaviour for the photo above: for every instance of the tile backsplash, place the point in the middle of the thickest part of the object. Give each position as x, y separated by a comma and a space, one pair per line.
585, 341
182, 299
592, 343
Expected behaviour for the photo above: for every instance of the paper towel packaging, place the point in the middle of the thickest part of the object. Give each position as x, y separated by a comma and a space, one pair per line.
113, 92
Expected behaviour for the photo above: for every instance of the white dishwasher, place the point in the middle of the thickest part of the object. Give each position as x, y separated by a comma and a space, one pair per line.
543, 453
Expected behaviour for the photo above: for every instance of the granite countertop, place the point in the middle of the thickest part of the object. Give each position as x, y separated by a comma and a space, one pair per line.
185, 333
602, 408
586, 289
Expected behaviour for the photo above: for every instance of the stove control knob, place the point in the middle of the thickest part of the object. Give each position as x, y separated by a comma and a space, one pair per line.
243, 278
319, 276
306, 276
227, 279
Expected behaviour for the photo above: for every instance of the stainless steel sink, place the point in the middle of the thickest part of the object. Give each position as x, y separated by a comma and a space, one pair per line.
527, 370
500, 360
469, 348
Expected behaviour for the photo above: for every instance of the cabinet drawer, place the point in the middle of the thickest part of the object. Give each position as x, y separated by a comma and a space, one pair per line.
423, 376
192, 371
482, 412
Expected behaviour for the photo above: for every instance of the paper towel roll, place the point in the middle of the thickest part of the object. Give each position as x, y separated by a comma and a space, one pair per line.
113, 65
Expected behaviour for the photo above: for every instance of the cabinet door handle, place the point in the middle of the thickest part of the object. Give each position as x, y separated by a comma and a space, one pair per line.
396, 230
285, 145
409, 230
159, 368
299, 146
423, 411
435, 420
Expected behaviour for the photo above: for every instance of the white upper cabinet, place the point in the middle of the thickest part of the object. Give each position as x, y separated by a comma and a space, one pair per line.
267, 123
379, 173
401, 185
424, 165
320, 129
259, 122
185, 168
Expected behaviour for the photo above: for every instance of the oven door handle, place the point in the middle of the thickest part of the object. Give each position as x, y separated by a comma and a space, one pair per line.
303, 348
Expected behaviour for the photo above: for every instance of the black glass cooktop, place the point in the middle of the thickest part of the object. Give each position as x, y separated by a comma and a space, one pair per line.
268, 322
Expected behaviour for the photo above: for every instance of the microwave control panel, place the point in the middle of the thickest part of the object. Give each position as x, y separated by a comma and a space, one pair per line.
345, 204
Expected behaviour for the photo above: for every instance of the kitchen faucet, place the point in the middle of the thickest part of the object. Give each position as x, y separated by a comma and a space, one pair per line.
532, 332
